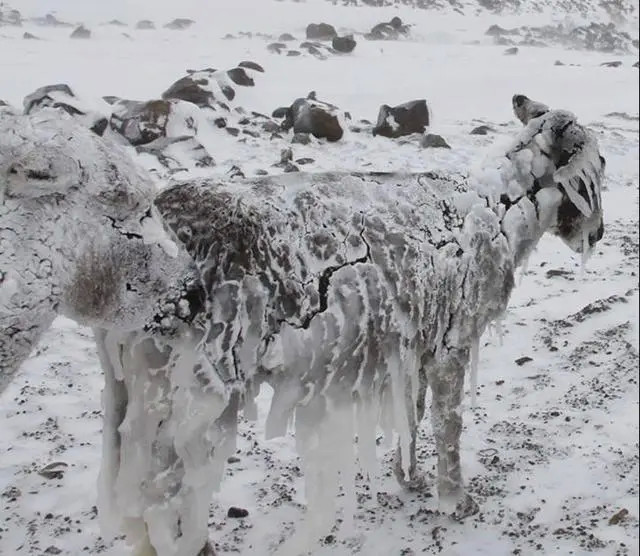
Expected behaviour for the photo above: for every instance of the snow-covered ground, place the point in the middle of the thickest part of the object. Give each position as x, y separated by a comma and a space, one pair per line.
551, 450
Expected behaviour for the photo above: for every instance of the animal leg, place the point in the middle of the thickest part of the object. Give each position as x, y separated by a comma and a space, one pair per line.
416, 479
447, 385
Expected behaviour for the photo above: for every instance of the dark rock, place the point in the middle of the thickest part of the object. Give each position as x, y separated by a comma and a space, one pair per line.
179, 24
290, 167
497, 31
200, 87
614, 64
320, 31
141, 122
433, 141
301, 138
293, 53
270, 127
53, 550
61, 96
276, 47
50, 20
190, 90
240, 77
312, 116
260, 172
636, 65
303, 161
404, 119
511, 51
110, 99
178, 153
233, 131
81, 32
522, 360
286, 37
481, 130
30, 36
237, 512
251, 65
116, 23
235, 172
145, 25
286, 155
558, 63
343, 44
391, 30
315, 49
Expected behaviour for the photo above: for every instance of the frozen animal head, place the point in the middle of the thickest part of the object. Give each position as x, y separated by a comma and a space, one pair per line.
558, 161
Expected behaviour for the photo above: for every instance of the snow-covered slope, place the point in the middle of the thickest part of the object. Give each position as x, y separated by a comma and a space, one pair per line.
551, 451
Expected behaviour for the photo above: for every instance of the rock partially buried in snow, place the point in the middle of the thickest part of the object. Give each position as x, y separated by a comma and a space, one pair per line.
308, 115
481, 130
434, 141
388, 31
51, 20
61, 96
320, 31
81, 32
614, 64
141, 123
404, 119
344, 44
179, 24
145, 25
29, 36
511, 51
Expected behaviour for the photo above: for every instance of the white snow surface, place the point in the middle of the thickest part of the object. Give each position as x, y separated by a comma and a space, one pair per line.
550, 449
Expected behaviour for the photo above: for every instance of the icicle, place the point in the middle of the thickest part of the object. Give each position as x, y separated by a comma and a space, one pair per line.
524, 266
586, 252
401, 420
475, 346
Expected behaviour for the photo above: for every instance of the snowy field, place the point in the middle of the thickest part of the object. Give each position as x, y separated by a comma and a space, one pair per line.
550, 453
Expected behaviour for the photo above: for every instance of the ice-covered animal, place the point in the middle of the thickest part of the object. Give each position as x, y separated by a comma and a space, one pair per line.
349, 294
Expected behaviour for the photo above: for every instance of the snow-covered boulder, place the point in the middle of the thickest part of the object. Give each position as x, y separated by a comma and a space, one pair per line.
404, 119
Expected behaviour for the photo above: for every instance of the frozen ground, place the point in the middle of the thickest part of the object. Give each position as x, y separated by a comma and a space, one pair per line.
551, 451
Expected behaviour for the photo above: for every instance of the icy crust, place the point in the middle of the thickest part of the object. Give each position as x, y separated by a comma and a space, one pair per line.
337, 290
78, 234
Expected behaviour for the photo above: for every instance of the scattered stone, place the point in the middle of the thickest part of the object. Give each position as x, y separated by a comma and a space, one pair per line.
320, 32
62, 97
614, 64
145, 25
636, 65
293, 53
434, 141
50, 20
116, 23
237, 512
301, 138
618, 517
54, 470
305, 160
315, 117
240, 77
286, 37
233, 131
497, 31
404, 119
53, 550
558, 63
276, 47
233, 459
179, 24
179, 153
511, 51
481, 130
344, 44
29, 36
388, 31
522, 360
81, 32
251, 65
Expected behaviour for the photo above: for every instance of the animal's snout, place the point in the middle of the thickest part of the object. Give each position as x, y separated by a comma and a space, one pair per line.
519, 100
597, 236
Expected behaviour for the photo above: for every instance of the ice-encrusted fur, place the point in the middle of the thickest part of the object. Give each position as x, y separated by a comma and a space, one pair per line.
79, 235
349, 294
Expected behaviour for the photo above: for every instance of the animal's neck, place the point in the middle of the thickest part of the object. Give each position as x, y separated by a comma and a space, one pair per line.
525, 219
